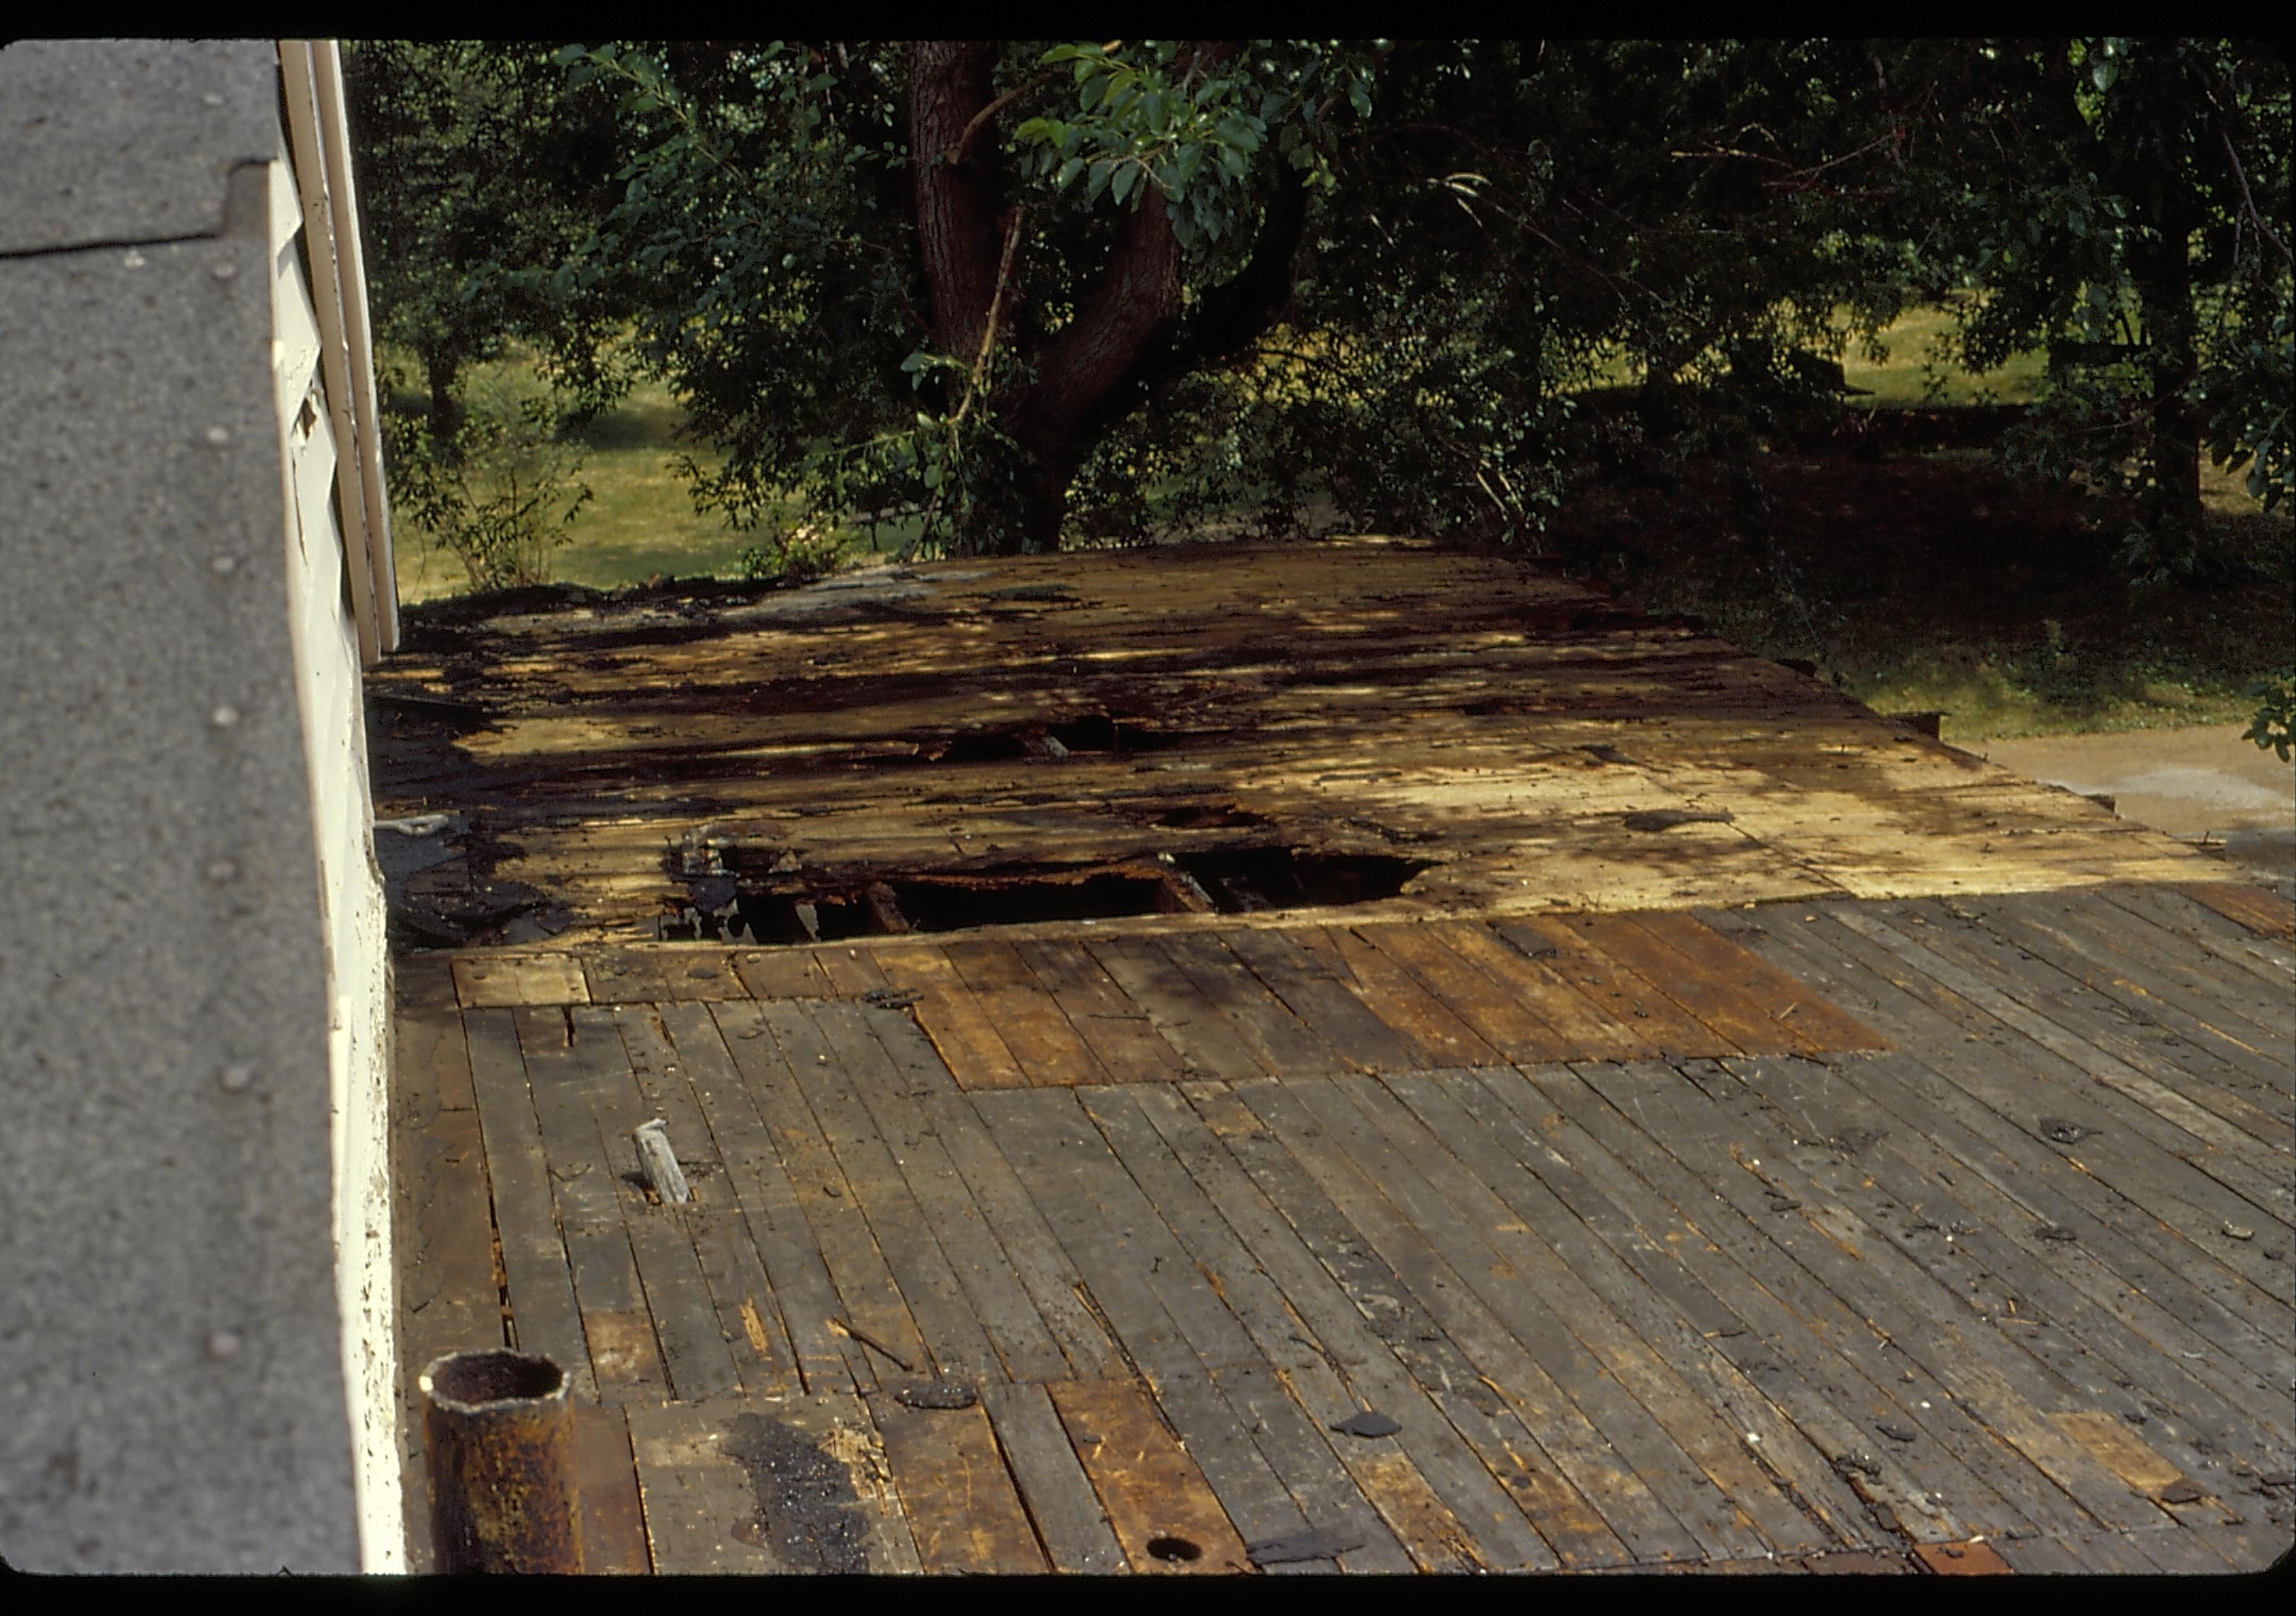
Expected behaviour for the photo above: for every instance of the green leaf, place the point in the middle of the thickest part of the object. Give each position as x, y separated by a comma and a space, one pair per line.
1127, 177
1098, 180
1359, 99
1069, 171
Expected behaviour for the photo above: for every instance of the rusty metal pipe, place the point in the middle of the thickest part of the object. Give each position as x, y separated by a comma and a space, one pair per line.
500, 1441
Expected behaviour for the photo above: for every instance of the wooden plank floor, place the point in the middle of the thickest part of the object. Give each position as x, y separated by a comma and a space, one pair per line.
1930, 1236
1527, 744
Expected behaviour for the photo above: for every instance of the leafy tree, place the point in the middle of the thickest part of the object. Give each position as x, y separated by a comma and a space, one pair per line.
1028, 291
2122, 202
1016, 289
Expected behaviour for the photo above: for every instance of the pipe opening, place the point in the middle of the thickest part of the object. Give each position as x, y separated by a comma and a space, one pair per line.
468, 1381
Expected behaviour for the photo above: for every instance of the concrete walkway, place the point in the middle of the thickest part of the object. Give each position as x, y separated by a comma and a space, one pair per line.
2202, 782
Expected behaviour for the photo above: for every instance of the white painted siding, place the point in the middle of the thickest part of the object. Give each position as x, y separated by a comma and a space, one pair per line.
324, 639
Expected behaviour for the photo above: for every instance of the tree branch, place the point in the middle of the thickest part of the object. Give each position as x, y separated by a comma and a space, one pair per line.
2241, 175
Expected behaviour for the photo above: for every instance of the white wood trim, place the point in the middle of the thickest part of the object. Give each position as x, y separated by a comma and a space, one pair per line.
299, 76
350, 258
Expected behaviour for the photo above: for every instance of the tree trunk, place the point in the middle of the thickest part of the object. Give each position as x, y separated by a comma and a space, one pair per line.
949, 84
2164, 286
441, 370
1126, 334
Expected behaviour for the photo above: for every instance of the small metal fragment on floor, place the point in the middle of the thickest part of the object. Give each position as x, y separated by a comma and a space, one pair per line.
662, 1173
891, 998
1896, 1434
1316, 1543
2238, 1233
936, 1394
1666, 819
2063, 1132
1368, 1422
420, 824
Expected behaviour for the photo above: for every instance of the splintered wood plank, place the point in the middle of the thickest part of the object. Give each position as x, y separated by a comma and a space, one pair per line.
1163, 1515
801, 1284
1315, 993
1814, 1025
782, 973
544, 1318
2263, 912
1182, 1015
1470, 1402
606, 1480
2218, 993
2135, 1154
1278, 1040
955, 1491
494, 979
953, 1017
1473, 996
1564, 1471
1027, 1016
2268, 1076
2236, 1018
1396, 998
1650, 1014
1797, 1435
2187, 1085
978, 1150
674, 1050
1068, 1519
1117, 1032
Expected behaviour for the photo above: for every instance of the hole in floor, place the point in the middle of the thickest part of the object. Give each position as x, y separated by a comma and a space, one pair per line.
1175, 1549
982, 746
1229, 880
1206, 817
1104, 734
1243, 880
